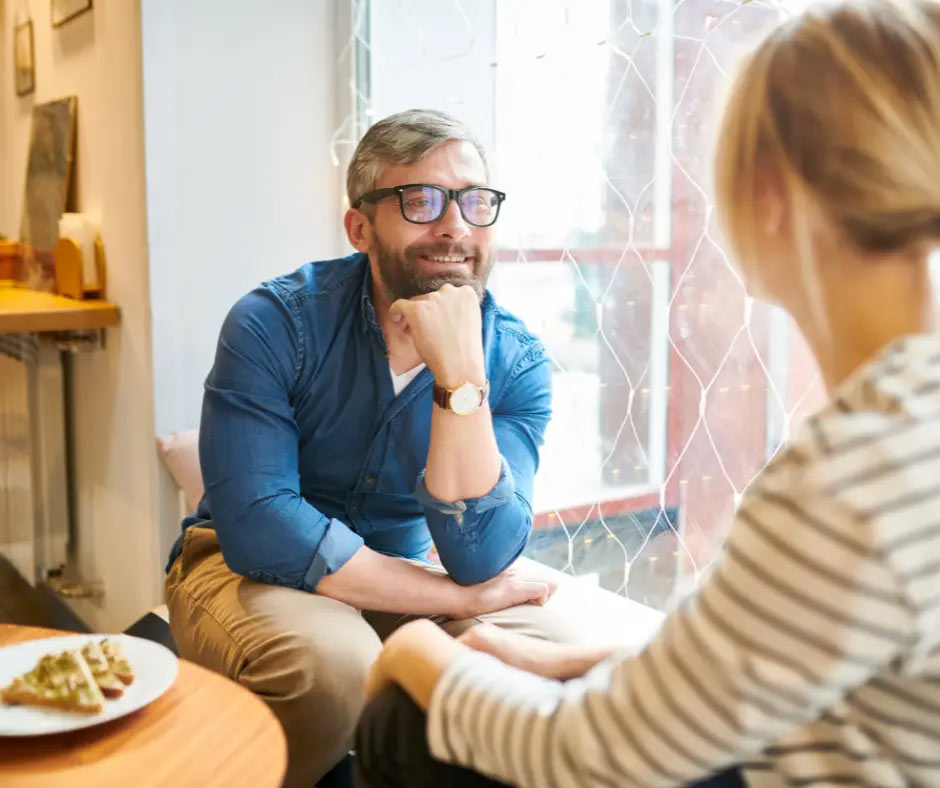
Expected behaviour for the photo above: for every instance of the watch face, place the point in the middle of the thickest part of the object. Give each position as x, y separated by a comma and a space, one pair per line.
465, 400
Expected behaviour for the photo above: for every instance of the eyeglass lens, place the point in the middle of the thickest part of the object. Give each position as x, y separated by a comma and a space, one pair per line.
425, 204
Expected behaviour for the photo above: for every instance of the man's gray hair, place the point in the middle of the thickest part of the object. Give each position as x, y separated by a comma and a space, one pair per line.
403, 139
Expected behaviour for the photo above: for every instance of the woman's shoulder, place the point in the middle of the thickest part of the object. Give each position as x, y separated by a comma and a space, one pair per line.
885, 408
872, 454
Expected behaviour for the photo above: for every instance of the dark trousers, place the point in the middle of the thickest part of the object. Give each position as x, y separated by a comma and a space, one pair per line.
392, 752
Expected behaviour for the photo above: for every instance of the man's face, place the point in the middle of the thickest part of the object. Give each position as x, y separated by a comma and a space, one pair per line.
413, 259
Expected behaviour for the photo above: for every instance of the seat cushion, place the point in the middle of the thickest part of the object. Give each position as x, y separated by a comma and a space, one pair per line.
180, 454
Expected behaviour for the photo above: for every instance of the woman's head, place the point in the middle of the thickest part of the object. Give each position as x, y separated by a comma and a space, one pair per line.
831, 139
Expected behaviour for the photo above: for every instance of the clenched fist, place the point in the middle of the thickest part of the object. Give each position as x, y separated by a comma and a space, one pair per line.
447, 330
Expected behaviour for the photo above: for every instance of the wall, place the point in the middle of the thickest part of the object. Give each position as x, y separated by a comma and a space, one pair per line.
240, 106
239, 110
97, 57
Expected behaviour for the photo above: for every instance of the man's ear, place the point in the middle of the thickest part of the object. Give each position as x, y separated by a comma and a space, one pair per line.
358, 230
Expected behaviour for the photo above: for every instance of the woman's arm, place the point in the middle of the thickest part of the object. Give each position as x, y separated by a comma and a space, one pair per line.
417, 654
798, 614
414, 656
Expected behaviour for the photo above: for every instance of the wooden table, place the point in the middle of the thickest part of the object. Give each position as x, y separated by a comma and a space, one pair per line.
35, 329
204, 731
30, 311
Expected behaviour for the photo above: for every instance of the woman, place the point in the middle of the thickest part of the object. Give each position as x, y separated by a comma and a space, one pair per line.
811, 655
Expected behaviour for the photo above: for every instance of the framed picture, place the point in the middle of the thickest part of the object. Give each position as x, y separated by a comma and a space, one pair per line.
64, 10
49, 169
24, 66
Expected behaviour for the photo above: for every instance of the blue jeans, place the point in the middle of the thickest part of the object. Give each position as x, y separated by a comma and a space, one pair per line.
392, 752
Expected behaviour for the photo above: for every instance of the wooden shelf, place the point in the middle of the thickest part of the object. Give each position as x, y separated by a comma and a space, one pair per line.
30, 311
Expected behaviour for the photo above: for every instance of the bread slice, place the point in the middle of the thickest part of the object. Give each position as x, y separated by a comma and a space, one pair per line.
60, 681
117, 661
109, 684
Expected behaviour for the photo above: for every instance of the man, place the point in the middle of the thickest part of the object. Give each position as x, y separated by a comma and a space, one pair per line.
358, 411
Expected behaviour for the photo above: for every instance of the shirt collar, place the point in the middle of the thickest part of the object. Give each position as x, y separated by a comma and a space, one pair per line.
367, 308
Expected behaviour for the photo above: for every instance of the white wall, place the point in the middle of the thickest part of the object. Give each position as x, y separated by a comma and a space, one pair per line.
240, 106
238, 101
97, 57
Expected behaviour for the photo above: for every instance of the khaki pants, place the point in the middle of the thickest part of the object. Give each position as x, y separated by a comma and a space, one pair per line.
305, 655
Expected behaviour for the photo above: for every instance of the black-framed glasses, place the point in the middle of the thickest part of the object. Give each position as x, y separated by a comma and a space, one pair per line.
423, 203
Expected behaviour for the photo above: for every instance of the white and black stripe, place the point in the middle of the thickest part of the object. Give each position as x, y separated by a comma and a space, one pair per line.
812, 653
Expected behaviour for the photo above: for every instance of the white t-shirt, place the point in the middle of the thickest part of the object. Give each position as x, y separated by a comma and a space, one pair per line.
399, 382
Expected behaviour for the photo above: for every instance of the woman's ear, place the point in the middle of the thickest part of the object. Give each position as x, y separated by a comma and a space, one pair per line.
773, 206
358, 230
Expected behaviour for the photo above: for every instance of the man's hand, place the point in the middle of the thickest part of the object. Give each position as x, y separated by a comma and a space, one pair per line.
510, 587
552, 660
447, 330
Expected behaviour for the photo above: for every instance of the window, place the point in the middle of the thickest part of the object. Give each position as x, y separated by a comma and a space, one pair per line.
672, 388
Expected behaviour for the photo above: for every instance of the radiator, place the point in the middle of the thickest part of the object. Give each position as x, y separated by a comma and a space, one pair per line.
34, 527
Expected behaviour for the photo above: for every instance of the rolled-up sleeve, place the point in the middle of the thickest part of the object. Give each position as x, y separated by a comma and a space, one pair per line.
501, 494
478, 538
248, 450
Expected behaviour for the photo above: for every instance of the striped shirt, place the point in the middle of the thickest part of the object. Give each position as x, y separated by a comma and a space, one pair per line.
811, 654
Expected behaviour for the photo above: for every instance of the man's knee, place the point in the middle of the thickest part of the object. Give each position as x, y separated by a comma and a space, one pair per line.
314, 686
297, 665
555, 625
306, 657
532, 620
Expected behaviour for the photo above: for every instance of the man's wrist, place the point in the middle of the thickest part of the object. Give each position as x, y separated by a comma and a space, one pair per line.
455, 599
452, 379
464, 606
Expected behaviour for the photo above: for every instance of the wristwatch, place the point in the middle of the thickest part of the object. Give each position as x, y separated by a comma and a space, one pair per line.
467, 398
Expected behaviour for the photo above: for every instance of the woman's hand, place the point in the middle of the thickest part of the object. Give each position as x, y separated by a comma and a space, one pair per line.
414, 656
542, 657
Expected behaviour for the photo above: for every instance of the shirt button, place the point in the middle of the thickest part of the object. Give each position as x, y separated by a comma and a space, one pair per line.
369, 480
354, 508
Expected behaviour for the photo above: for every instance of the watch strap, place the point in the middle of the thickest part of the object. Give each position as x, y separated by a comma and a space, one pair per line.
442, 397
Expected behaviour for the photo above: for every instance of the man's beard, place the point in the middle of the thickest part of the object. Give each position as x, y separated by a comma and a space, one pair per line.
402, 276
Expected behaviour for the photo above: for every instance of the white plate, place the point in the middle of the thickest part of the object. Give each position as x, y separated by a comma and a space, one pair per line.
155, 669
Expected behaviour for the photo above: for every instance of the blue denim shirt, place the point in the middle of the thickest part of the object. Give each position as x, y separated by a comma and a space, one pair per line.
306, 453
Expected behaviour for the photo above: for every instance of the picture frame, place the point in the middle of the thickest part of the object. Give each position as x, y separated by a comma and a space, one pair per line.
49, 173
24, 59
65, 10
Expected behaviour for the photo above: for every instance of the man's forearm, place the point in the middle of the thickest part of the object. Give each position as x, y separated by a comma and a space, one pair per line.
372, 581
464, 463
463, 456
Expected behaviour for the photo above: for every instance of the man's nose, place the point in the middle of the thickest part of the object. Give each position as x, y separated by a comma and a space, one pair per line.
452, 224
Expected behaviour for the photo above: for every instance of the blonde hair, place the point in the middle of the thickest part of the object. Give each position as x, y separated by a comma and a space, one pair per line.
843, 104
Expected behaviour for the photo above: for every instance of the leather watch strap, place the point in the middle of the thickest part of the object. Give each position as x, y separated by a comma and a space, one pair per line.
441, 397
